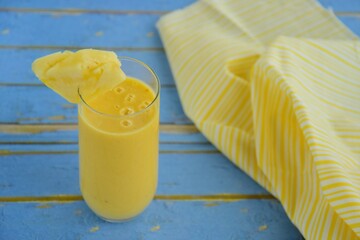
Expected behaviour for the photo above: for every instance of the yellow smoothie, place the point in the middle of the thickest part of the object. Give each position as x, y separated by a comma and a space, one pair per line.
118, 149
118, 126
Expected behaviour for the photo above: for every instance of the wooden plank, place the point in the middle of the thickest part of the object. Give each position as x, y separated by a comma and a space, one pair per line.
32, 139
247, 219
91, 30
189, 174
135, 5
11, 59
342, 5
67, 134
85, 30
169, 147
38, 104
140, 5
352, 22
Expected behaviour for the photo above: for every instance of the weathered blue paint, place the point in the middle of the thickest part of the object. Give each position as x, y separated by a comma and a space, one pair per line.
352, 22
128, 30
152, 5
342, 5
71, 136
180, 148
175, 220
11, 59
38, 104
53, 174
141, 5
62, 136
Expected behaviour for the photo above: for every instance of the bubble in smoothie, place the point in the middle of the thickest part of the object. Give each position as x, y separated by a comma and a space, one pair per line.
144, 104
126, 123
126, 111
130, 97
119, 90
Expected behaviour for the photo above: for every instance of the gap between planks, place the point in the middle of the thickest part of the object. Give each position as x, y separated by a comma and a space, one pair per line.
77, 11
39, 128
8, 84
7, 152
53, 47
215, 197
34, 129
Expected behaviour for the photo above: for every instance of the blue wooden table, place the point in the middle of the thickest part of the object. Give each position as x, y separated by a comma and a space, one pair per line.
200, 195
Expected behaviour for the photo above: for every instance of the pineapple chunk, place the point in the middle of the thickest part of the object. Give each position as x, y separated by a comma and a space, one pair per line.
88, 71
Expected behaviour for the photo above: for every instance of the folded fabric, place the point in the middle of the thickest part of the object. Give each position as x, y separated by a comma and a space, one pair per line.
287, 112
305, 96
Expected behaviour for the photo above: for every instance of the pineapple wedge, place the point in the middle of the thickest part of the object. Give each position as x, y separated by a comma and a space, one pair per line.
88, 71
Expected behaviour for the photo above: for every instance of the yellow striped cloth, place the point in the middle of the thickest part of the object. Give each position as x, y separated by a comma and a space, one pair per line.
286, 110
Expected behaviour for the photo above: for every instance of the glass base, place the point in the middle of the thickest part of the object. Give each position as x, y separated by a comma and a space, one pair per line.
110, 220
116, 220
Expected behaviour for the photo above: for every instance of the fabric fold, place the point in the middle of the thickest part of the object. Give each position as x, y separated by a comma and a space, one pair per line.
285, 110
298, 109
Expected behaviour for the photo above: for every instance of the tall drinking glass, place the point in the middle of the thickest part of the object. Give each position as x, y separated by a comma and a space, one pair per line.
118, 153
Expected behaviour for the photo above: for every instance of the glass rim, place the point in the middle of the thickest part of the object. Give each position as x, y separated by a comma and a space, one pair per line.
137, 112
